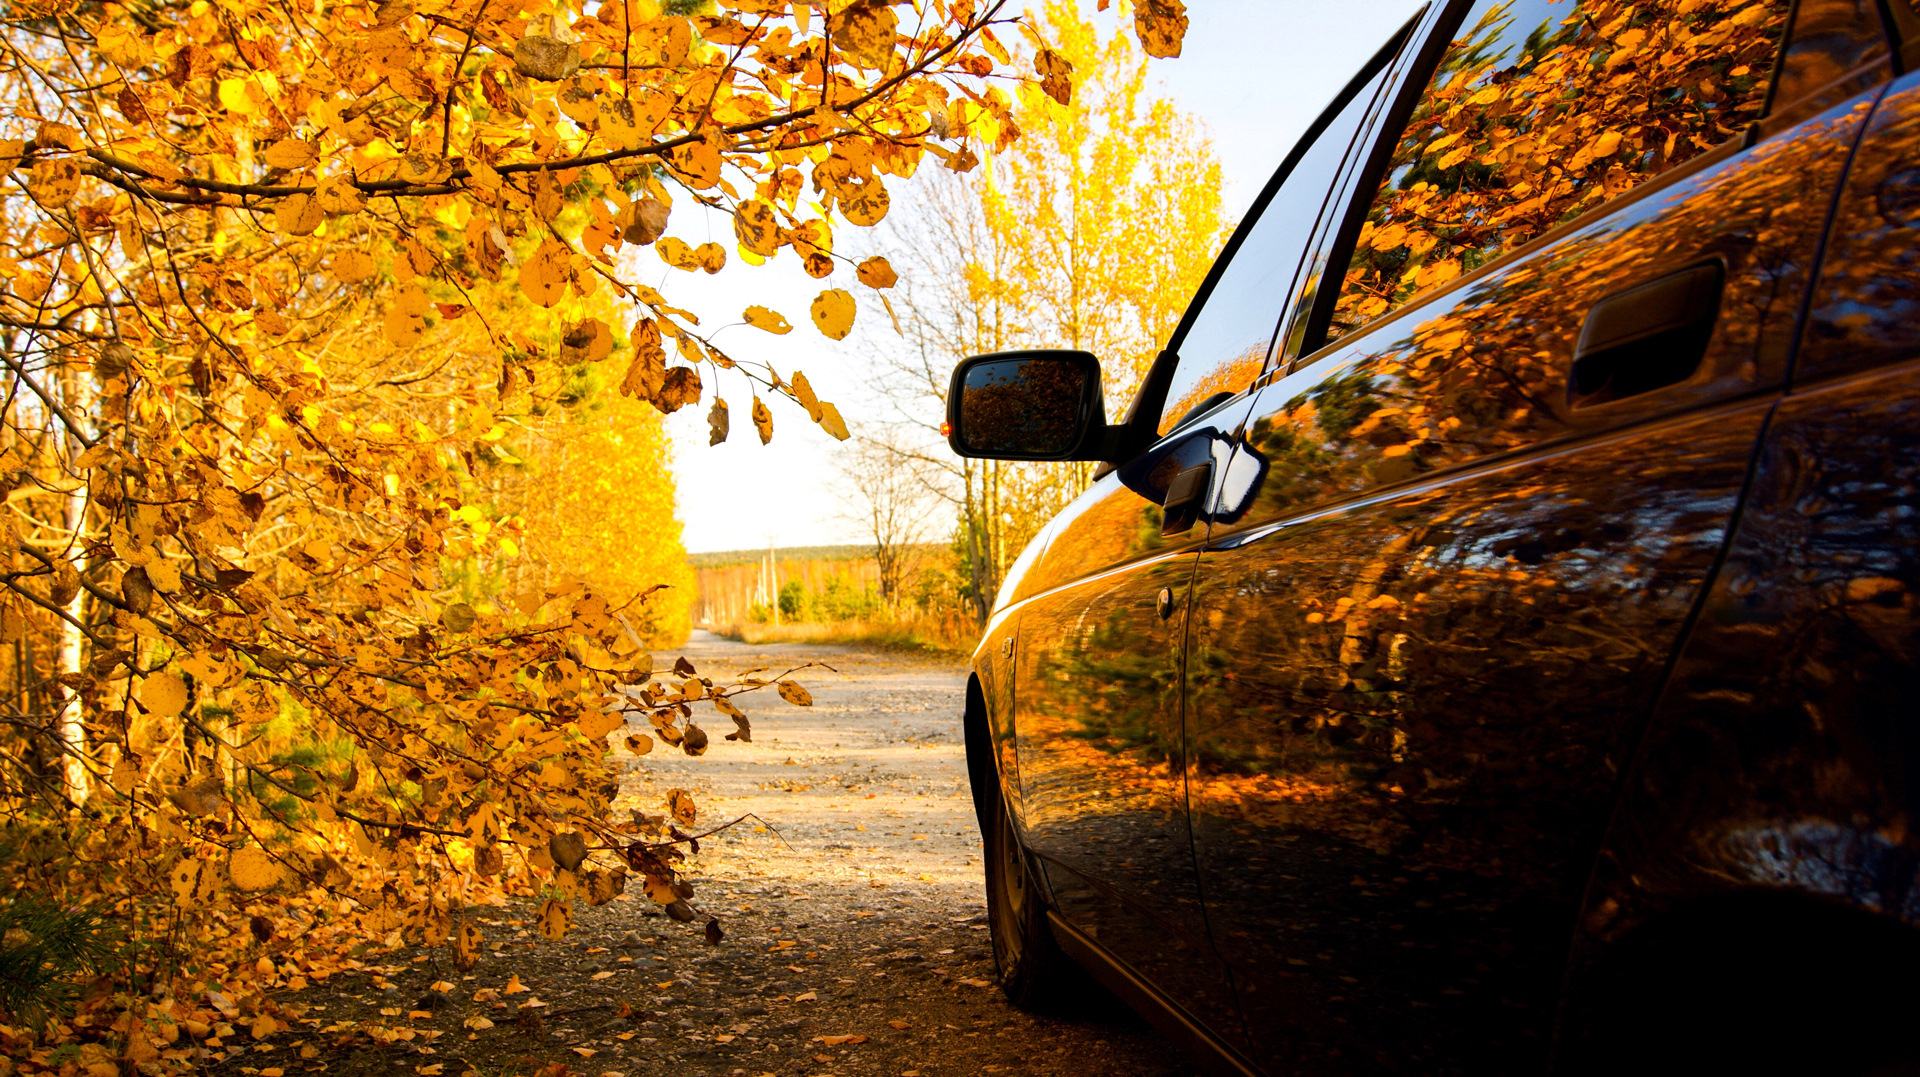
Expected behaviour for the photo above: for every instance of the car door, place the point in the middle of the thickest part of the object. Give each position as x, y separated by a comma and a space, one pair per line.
1100, 649
1421, 651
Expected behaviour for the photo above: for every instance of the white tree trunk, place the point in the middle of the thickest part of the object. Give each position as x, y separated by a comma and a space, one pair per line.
73, 737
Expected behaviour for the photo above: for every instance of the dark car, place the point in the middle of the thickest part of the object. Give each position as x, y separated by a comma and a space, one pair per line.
1489, 643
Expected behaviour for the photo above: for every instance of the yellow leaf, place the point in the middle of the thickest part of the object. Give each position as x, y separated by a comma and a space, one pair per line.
757, 228
544, 275
833, 312
770, 320
1161, 24
718, 423
711, 257
831, 422
556, 918
803, 392
292, 154
252, 869
1605, 145
876, 272
163, 694
680, 802
762, 421
298, 215
698, 163
795, 694
54, 182
351, 267
235, 98
337, 196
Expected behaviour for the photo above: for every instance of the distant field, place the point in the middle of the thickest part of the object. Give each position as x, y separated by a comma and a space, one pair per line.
726, 558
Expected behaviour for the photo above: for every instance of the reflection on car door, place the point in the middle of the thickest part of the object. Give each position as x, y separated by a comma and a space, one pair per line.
1098, 666
1419, 657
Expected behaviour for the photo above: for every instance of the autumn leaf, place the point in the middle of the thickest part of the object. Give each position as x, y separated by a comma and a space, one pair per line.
544, 275
556, 919
795, 694
717, 422
831, 422
864, 31
291, 154
803, 392
1056, 73
833, 312
770, 320
1161, 25
680, 803
253, 869
163, 695
875, 272
756, 227
762, 421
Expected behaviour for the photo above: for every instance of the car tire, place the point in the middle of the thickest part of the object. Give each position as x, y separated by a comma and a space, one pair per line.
1035, 974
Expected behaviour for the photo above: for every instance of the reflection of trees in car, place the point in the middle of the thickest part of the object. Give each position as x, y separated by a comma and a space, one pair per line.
1023, 406
1231, 376
1516, 135
1489, 374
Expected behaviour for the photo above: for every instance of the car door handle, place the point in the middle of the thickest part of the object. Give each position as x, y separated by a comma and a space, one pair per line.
1186, 494
1647, 337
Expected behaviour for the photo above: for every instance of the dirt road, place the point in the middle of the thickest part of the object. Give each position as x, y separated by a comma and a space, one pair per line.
856, 941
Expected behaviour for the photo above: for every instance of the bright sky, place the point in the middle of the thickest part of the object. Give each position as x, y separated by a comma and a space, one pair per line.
1256, 73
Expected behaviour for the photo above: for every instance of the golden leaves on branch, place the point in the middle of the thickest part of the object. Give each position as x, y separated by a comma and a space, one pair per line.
717, 422
877, 272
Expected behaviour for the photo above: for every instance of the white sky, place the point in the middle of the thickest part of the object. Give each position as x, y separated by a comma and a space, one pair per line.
1256, 73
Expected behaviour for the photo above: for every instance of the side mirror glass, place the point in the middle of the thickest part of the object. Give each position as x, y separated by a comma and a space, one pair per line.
1024, 405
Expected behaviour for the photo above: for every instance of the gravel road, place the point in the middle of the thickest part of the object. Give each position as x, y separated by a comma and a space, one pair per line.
855, 944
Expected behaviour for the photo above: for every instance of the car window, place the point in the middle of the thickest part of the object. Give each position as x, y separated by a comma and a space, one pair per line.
1542, 109
1225, 345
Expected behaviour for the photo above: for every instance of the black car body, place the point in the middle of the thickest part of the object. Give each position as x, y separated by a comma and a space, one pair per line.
1490, 643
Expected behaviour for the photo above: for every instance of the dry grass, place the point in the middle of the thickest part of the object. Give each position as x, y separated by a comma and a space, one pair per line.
929, 635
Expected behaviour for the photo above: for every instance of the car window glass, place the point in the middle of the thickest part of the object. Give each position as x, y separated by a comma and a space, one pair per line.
1829, 39
1542, 109
1225, 346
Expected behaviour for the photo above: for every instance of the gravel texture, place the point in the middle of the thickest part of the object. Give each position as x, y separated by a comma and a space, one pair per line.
856, 941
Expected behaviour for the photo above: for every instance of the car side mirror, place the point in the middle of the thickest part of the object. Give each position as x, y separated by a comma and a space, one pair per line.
1035, 404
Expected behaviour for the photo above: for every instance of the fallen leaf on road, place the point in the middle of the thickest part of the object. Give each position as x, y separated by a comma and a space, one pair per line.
602, 975
419, 1015
664, 985
823, 1058
442, 986
976, 983
837, 1041
514, 986
583, 1052
430, 1071
485, 994
389, 1011
478, 1023
795, 968
806, 996
899, 1024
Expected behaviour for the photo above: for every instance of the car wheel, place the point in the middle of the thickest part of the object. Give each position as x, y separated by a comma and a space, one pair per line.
1034, 972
